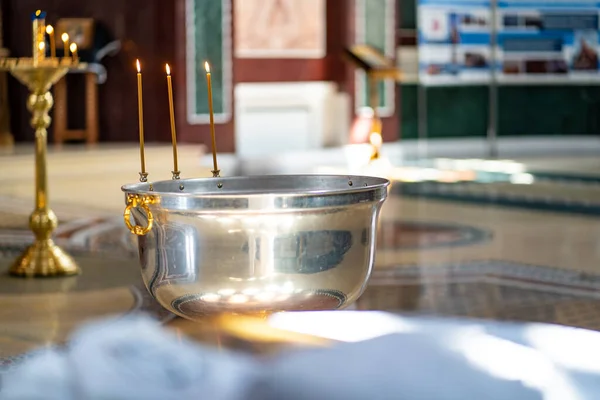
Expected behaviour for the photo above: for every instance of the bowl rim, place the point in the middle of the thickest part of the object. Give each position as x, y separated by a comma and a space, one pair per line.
146, 188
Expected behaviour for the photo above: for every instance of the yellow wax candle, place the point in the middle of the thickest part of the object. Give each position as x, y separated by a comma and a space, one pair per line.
172, 115
212, 120
73, 48
50, 32
141, 121
65, 39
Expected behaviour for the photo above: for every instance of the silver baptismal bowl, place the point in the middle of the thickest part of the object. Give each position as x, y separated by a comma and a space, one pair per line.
256, 244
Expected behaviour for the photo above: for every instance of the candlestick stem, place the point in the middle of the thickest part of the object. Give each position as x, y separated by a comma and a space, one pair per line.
215, 170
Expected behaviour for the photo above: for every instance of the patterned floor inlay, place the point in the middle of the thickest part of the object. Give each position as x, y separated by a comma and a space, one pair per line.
110, 235
489, 289
90, 235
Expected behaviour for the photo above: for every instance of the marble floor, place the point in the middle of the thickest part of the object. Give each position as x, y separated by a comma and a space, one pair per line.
517, 240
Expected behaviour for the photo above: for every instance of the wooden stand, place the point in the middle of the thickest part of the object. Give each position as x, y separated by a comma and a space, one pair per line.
61, 131
6, 138
377, 67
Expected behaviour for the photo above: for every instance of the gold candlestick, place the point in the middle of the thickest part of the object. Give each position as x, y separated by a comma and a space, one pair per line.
43, 257
143, 173
50, 32
73, 48
175, 171
38, 74
215, 170
65, 38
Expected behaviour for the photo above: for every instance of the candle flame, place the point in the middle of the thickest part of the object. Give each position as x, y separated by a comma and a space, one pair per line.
168, 70
49, 29
73, 47
207, 67
65, 37
375, 139
38, 12
139, 68
41, 45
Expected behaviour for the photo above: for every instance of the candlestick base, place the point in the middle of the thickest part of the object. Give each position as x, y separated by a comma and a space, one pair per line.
44, 258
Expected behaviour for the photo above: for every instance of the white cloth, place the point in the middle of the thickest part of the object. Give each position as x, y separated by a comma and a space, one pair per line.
441, 359
130, 358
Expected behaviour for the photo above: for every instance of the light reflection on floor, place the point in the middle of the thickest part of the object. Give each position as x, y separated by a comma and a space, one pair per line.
443, 170
537, 220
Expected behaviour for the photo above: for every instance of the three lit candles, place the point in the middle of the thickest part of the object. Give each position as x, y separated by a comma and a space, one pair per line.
65, 39
175, 172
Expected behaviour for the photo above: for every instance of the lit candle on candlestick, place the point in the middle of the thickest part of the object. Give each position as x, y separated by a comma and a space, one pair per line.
215, 171
41, 49
50, 32
175, 171
65, 39
143, 173
73, 48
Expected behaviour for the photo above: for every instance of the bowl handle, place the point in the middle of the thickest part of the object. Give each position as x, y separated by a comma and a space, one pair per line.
134, 200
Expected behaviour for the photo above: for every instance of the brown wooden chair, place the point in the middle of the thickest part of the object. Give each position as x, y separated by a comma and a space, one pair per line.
94, 43
90, 133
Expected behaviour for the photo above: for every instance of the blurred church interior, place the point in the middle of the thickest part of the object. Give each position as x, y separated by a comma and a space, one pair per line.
492, 211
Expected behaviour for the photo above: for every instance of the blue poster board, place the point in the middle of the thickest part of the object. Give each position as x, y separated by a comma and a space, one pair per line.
454, 41
538, 41
548, 40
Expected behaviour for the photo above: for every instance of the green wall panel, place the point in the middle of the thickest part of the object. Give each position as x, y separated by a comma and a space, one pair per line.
409, 127
457, 111
372, 15
534, 110
408, 14
523, 110
207, 36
